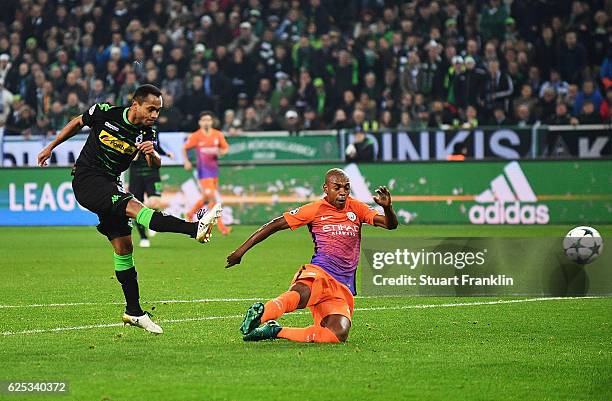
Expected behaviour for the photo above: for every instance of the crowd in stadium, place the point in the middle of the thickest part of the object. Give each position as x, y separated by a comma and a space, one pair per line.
311, 64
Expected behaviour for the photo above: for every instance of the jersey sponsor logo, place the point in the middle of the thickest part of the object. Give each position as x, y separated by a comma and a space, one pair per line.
341, 229
111, 126
116, 144
351, 216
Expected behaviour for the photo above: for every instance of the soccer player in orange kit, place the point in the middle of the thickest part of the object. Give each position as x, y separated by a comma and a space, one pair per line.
327, 284
209, 144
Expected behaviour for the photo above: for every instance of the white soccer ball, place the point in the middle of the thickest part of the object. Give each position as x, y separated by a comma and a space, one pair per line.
583, 245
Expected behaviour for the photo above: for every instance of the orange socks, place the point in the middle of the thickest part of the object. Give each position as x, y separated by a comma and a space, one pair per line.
311, 334
286, 302
194, 209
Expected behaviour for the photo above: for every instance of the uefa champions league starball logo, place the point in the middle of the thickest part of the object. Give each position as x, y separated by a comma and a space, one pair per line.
583, 245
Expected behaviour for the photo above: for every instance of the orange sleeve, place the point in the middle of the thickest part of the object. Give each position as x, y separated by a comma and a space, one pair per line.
364, 212
302, 215
222, 142
192, 141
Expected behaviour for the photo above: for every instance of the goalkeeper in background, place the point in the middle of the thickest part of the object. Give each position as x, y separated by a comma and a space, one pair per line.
145, 180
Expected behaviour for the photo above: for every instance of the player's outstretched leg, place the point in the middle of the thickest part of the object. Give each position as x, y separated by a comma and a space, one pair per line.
286, 302
333, 329
161, 222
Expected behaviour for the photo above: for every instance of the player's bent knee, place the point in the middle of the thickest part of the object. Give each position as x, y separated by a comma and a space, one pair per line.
339, 325
304, 292
132, 208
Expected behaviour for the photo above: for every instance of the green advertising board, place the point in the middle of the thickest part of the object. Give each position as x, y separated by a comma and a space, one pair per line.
253, 149
536, 192
533, 192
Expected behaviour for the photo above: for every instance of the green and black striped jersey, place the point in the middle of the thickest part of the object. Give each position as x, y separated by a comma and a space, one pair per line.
111, 144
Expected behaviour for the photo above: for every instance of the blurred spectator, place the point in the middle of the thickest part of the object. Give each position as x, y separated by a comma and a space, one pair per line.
170, 117
589, 113
589, 92
572, 58
311, 120
5, 67
499, 88
547, 104
21, 120
292, 122
526, 98
469, 85
284, 88
561, 116
470, 118
172, 84
493, 19
555, 82
6, 100
250, 122
605, 109
523, 117
361, 149
500, 119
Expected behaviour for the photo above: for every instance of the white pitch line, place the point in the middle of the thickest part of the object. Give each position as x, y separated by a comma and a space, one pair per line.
399, 307
163, 301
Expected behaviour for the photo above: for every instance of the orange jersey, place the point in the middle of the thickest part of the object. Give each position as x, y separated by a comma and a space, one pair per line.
207, 150
336, 235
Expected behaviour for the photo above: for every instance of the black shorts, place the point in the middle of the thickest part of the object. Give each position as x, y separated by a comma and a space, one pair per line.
105, 197
149, 185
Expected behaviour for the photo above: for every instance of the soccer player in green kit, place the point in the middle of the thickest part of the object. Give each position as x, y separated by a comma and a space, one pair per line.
118, 134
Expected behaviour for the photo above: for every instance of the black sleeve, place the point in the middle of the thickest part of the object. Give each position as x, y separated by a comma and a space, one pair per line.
93, 114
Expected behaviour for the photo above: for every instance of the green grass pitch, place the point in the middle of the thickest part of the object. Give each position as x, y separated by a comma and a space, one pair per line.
544, 350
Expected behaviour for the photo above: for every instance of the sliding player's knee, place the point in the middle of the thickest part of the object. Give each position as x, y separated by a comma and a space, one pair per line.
304, 292
339, 325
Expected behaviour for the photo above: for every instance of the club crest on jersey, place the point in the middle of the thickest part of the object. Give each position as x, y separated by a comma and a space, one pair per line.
116, 143
139, 139
111, 126
351, 216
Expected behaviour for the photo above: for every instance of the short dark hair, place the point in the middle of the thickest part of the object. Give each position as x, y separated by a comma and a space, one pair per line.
207, 113
145, 90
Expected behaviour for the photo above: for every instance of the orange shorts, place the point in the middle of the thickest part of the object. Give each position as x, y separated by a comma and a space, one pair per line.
327, 295
209, 185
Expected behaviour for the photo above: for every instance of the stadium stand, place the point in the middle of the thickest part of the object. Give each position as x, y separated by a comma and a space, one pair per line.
265, 65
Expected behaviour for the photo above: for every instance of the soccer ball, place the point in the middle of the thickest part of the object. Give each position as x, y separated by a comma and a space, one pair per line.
583, 245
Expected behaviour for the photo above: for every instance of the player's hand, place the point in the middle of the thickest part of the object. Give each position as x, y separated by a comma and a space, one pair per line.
43, 156
188, 166
383, 197
146, 147
233, 259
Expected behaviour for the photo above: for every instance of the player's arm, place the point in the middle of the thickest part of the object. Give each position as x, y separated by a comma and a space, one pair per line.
66, 133
389, 219
151, 155
278, 224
